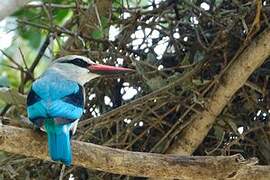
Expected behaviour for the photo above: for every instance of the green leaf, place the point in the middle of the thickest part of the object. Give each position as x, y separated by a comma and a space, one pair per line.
4, 82
104, 22
32, 36
61, 14
98, 34
218, 2
29, 13
11, 96
117, 4
35, 39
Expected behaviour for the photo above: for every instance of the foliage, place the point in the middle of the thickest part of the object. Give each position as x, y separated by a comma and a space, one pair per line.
180, 50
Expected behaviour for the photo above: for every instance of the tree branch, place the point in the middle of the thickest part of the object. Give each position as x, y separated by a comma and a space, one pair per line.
232, 80
29, 143
10, 6
88, 23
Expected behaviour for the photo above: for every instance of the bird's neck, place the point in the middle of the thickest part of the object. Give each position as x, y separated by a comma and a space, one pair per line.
63, 74
52, 73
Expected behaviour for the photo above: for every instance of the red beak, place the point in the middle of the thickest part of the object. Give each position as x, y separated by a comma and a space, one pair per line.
108, 70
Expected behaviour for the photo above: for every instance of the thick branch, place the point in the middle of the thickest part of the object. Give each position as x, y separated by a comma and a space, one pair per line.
30, 143
10, 6
233, 79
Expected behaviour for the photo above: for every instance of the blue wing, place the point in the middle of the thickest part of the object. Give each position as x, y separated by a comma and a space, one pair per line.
56, 98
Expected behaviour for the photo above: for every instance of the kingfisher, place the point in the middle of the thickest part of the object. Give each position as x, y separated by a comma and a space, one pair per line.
56, 100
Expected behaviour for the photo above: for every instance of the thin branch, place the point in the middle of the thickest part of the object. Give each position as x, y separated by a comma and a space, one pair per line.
99, 121
60, 6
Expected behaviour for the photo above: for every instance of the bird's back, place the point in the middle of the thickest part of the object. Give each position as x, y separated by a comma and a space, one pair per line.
54, 96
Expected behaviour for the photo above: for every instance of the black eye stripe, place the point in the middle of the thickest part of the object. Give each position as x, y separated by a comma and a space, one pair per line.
77, 62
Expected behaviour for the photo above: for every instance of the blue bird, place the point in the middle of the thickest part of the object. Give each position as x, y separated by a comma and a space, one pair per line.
56, 100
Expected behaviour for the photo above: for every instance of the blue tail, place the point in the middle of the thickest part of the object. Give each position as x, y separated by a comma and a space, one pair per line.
59, 142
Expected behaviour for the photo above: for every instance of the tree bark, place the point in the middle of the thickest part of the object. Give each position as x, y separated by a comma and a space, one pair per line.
30, 143
7, 7
232, 80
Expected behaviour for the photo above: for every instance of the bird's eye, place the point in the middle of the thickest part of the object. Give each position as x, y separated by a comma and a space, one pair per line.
78, 62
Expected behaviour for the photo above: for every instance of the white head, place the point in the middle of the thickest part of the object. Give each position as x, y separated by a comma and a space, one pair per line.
81, 69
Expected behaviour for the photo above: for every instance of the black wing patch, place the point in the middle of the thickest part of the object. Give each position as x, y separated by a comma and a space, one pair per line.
76, 99
32, 98
63, 120
38, 121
